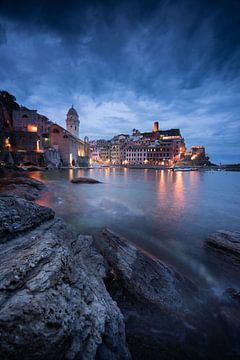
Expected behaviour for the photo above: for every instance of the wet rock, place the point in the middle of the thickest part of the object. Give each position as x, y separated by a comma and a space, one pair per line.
226, 243
166, 316
149, 280
18, 215
53, 301
24, 187
151, 296
85, 180
232, 295
32, 168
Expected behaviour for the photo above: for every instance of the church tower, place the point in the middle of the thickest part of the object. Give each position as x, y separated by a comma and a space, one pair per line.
72, 122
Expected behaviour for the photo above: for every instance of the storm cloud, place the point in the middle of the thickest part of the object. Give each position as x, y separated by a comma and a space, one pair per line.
125, 64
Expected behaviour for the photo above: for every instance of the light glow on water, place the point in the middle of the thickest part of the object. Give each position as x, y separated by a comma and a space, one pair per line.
169, 214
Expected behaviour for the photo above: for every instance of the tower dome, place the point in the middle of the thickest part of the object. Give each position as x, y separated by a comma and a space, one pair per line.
72, 122
72, 111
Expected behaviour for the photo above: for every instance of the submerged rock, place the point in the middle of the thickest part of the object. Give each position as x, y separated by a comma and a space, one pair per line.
85, 180
53, 301
226, 243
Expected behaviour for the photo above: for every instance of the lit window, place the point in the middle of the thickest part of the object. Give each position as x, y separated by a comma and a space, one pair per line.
32, 128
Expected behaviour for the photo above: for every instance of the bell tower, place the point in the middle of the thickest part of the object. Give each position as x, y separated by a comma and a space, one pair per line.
72, 122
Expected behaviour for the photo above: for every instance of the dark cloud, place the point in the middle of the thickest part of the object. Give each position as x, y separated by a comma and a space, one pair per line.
126, 62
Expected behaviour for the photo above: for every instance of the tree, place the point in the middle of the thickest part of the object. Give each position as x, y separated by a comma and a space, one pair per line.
8, 101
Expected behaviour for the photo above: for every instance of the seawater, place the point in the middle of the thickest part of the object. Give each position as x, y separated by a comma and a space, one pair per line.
168, 214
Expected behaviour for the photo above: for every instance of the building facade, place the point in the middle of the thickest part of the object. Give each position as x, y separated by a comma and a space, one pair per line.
73, 151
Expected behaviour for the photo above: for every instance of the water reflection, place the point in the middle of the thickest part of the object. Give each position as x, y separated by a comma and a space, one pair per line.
169, 214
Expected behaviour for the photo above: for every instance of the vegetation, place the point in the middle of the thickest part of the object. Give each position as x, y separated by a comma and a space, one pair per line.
8, 101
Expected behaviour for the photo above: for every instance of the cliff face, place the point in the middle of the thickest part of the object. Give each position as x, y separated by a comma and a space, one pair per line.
53, 301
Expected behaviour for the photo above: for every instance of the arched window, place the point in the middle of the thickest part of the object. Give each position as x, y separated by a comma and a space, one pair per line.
24, 116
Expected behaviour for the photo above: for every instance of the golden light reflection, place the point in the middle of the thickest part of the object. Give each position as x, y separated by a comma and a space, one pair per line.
146, 172
171, 193
107, 171
70, 174
37, 175
178, 190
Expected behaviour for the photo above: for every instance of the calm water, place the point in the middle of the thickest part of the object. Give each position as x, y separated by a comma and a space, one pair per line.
168, 214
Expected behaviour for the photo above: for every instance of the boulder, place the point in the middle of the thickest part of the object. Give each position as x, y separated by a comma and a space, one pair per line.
166, 316
226, 243
53, 301
18, 215
146, 278
24, 187
85, 180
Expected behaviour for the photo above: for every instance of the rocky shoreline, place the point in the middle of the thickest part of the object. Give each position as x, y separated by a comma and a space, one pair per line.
70, 296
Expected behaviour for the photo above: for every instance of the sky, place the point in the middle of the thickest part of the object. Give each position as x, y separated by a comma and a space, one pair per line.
125, 64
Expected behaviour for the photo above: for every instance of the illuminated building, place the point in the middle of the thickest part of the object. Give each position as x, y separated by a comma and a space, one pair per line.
30, 129
72, 150
136, 154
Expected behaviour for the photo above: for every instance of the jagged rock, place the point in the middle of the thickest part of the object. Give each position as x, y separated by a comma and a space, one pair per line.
18, 215
147, 279
166, 316
24, 187
85, 180
227, 243
53, 301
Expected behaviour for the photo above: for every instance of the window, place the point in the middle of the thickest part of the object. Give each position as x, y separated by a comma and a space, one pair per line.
55, 131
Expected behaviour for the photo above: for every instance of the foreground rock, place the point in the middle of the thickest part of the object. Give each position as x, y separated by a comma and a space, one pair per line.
18, 215
226, 243
24, 187
166, 317
85, 180
53, 301
147, 279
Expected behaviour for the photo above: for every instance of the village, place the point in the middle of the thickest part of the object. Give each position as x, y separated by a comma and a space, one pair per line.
30, 138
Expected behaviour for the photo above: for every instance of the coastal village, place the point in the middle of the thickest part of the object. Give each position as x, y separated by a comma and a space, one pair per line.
28, 137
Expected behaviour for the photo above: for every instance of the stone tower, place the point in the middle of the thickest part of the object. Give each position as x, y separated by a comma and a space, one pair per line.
72, 122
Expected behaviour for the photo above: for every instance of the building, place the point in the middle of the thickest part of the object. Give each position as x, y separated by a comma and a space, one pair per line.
157, 147
35, 134
73, 151
72, 122
117, 154
30, 129
195, 156
136, 155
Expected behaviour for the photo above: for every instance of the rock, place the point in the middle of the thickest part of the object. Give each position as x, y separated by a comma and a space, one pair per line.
150, 297
85, 180
24, 187
166, 316
226, 243
233, 295
32, 168
53, 301
149, 280
18, 215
